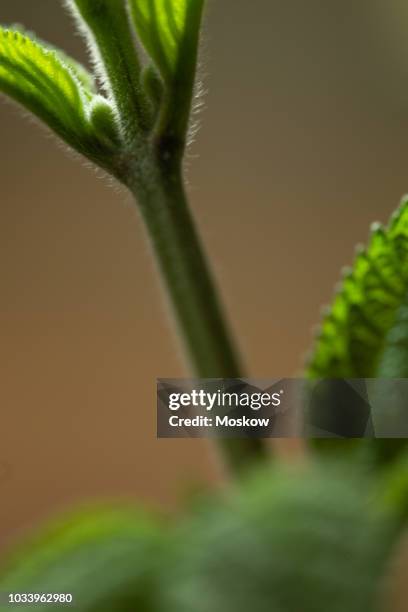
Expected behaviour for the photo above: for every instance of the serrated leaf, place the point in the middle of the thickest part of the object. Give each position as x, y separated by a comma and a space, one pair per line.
106, 559
292, 540
54, 88
169, 31
354, 332
37, 78
85, 78
83, 75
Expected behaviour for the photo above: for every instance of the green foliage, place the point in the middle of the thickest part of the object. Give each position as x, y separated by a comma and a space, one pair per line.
106, 560
162, 90
103, 120
357, 329
153, 86
169, 31
38, 78
54, 88
110, 38
301, 538
394, 360
393, 488
143, 104
83, 75
288, 540
365, 332
291, 540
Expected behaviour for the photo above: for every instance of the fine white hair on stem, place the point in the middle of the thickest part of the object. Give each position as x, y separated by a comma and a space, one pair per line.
93, 50
198, 104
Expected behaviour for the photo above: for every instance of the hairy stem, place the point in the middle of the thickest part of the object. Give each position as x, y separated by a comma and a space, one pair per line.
192, 292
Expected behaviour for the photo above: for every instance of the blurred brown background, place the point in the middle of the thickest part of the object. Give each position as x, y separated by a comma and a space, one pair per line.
303, 146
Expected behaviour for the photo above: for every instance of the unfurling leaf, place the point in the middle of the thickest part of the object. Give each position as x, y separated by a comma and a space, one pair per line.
105, 559
53, 87
368, 312
169, 31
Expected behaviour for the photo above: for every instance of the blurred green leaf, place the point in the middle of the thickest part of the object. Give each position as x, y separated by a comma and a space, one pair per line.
394, 359
393, 487
106, 559
293, 539
353, 335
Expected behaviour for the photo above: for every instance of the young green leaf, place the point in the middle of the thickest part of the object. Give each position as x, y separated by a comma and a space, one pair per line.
103, 121
106, 560
368, 311
83, 75
57, 90
85, 78
38, 79
109, 34
169, 31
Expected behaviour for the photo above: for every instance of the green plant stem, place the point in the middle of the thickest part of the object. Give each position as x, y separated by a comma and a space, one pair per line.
189, 284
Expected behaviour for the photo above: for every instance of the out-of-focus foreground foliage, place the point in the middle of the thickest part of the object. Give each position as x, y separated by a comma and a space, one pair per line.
308, 538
